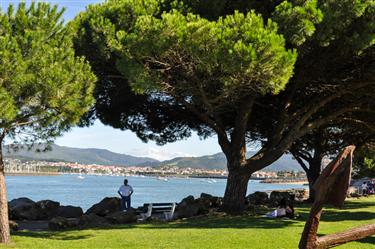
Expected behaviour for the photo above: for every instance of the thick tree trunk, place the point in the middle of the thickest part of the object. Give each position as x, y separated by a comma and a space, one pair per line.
235, 192
312, 175
4, 220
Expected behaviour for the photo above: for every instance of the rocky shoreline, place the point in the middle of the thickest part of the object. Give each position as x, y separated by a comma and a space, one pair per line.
27, 214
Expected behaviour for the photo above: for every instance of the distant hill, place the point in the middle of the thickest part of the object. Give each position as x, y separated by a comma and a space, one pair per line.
106, 157
218, 161
84, 156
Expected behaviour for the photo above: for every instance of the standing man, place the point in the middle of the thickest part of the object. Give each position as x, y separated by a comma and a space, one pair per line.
125, 191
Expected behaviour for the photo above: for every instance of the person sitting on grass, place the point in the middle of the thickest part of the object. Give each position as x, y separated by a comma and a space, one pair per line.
283, 210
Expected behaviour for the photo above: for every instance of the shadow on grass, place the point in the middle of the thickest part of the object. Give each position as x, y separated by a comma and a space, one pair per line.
334, 216
52, 235
232, 222
349, 204
368, 240
352, 204
236, 222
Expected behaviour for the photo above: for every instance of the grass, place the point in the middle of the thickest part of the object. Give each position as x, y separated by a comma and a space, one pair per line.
218, 232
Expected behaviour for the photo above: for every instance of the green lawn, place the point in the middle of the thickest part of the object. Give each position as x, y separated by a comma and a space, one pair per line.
224, 232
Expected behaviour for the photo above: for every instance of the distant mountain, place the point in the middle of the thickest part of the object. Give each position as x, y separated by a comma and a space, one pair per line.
84, 156
106, 157
218, 161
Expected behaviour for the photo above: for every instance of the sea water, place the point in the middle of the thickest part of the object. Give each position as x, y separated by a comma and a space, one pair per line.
84, 191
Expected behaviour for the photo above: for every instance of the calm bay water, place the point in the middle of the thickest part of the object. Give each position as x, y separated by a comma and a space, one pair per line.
70, 190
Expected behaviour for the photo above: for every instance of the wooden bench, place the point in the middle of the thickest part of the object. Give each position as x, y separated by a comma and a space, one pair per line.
166, 209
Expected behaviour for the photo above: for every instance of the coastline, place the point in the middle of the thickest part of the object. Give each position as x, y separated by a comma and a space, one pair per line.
262, 180
286, 181
32, 174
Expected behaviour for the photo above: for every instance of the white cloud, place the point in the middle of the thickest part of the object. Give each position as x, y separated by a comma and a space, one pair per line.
157, 153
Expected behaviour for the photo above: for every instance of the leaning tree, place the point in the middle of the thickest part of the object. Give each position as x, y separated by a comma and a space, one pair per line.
165, 74
44, 87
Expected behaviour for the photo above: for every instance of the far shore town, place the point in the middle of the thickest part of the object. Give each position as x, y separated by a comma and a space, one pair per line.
17, 166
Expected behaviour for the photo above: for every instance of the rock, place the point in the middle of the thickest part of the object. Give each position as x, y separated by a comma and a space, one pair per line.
47, 209
186, 211
13, 225
61, 223
121, 217
23, 209
204, 205
92, 220
258, 198
300, 194
20, 202
215, 201
277, 196
106, 206
190, 207
188, 199
187, 208
204, 195
69, 212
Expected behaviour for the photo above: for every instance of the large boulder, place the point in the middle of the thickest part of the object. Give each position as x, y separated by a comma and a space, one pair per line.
258, 198
61, 223
92, 220
190, 207
23, 209
47, 209
106, 206
187, 208
277, 196
215, 201
69, 212
121, 217
188, 200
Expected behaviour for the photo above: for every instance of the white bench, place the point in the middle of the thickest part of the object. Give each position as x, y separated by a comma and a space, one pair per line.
167, 209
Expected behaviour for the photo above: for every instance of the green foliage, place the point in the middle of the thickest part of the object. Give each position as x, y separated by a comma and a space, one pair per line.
249, 55
44, 87
238, 52
369, 163
351, 22
102, 22
297, 22
364, 161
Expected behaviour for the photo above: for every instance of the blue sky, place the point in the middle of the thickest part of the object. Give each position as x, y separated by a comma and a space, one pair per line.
105, 137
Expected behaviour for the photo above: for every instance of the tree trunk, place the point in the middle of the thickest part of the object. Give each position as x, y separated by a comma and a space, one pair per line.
309, 234
345, 236
235, 192
4, 220
312, 175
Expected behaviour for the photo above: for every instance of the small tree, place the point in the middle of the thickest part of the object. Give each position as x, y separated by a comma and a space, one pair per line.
44, 87
310, 149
